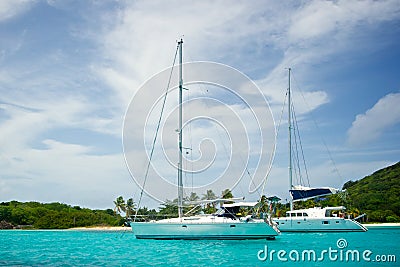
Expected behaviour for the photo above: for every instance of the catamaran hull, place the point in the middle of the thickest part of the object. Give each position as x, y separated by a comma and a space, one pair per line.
144, 230
319, 225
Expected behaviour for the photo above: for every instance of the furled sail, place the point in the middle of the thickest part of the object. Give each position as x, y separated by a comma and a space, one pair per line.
303, 193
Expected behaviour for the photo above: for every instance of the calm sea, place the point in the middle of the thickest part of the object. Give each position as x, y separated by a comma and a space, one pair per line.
377, 247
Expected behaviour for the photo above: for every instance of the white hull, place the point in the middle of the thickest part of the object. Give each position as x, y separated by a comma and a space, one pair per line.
318, 225
317, 220
194, 228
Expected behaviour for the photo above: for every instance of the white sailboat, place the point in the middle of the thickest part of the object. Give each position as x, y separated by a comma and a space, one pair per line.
317, 219
225, 224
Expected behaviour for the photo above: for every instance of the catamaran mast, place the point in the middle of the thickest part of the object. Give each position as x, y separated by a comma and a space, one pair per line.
180, 184
290, 142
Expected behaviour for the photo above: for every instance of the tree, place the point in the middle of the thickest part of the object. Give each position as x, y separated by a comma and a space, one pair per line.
263, 204
147, 214
348, 184
209, 195
170, 208
227, 193
191, 203
130, 207
5, 214
210, 207
193, 197
119, 205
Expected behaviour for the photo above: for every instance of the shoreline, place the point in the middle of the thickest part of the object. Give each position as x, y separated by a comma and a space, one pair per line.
372, 225
102, 228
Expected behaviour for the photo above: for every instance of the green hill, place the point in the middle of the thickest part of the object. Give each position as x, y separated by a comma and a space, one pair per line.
53, 216
378, 195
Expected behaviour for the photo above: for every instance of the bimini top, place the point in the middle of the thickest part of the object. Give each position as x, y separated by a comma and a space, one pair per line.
304, 193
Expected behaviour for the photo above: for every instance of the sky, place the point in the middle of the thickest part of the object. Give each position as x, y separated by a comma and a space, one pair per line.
71, 72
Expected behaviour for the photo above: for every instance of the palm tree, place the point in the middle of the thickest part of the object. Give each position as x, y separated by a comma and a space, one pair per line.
210, 207
130, 207
193, 197
227, 193
263, 205
209, 195
191, 200
119, 205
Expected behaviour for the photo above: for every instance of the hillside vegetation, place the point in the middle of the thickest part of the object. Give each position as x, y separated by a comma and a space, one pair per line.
378, 195
53, 216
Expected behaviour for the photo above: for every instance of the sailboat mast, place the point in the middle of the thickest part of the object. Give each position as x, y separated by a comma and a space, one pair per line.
180, 184
290, 141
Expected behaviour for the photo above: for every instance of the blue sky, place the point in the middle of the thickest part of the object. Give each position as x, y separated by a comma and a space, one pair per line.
70, 68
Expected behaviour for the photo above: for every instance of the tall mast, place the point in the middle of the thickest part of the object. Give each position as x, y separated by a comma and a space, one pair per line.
180, 184
290, 141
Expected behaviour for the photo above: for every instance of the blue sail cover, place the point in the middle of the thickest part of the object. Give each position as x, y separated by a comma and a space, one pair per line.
303, 193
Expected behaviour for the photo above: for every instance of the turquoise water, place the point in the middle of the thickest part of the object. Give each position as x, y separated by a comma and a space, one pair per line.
93, 248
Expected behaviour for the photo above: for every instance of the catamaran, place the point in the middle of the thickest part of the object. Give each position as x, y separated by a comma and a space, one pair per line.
317, 219
227, 223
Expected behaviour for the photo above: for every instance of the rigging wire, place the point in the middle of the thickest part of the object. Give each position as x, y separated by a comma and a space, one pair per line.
296, 145
321, 136
276, 135
295, 155
190, 148
156, 133
297, 137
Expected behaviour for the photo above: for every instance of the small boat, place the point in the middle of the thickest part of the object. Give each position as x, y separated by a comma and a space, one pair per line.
328, 219
228, 223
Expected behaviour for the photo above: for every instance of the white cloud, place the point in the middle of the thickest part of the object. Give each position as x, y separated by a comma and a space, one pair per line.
372, 124
140, 41
316, 20
12, 8
65, 172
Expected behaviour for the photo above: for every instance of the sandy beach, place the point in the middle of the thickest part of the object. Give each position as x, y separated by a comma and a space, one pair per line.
371, 225
102, 228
